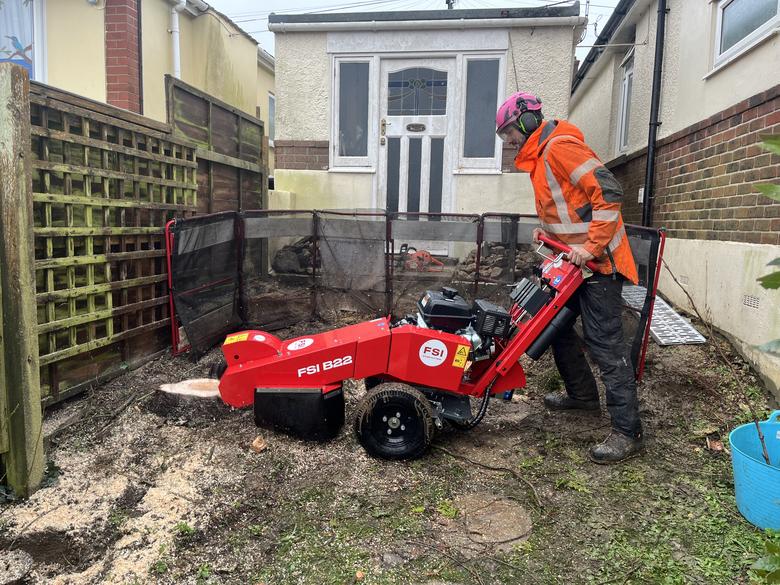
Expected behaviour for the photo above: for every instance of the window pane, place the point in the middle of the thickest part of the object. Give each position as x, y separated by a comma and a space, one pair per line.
16, 31
481, 99
353, 109
415, 171
437, 170
393, 172
627, 108
271, 117
742, 17
417, 92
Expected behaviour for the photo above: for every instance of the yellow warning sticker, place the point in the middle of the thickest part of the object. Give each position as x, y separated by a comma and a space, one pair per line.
236, 338
461, 356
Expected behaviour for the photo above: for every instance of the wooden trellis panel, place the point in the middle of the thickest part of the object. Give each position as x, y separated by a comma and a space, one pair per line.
105, 182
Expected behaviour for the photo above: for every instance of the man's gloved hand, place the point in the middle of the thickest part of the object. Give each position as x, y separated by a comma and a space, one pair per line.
539, 232
579, 255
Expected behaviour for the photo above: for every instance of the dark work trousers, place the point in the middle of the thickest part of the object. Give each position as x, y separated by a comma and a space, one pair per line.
599, 300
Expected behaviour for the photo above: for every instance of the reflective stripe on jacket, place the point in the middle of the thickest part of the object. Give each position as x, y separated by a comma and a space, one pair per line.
578, 199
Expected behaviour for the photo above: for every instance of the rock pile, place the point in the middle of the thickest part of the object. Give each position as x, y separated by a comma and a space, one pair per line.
494, 263
295, 258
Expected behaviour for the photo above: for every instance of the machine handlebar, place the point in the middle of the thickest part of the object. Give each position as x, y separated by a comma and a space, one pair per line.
561, 247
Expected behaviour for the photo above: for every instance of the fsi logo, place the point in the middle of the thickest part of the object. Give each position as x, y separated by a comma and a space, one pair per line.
300, 344
433, 353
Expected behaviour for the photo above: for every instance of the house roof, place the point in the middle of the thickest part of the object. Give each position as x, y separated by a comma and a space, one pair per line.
265, 59
613, 24
199, 7
443, 15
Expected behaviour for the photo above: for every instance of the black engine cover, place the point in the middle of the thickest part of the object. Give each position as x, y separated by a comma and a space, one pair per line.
445, 310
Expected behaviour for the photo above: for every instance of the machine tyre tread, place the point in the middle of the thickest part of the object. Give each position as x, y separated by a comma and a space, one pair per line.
416, 409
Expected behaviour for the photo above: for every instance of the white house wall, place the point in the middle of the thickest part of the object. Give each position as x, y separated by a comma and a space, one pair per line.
543, 61
721, 279
504, 193
592, 111
302, 87
544, 58
691, 91
307, 189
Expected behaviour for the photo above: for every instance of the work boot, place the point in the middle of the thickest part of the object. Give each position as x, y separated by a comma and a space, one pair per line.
562, 401
615, 448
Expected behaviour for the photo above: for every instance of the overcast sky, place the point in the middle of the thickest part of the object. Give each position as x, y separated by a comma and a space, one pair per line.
252, 16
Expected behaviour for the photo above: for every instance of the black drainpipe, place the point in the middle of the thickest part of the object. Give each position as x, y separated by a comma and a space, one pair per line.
647, 204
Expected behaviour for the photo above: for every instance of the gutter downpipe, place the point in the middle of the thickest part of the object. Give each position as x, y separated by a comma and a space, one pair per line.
647, 204
175, 46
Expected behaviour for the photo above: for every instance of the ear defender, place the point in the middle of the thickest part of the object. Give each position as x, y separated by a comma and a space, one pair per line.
528, 122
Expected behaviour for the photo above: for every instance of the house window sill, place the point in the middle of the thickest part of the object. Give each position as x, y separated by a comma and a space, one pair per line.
353, 170
725, 62
476, 172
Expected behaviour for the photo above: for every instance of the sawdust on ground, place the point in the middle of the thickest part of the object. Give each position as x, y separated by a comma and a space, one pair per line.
168, 490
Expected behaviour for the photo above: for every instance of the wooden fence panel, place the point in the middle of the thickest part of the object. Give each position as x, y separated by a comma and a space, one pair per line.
20, 404
232, 164
104, 185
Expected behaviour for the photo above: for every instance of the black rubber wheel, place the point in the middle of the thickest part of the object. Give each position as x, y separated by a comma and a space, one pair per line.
216, 370
372, 382
394, 421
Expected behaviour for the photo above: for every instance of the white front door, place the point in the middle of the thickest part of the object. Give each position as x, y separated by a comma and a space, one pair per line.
418, 121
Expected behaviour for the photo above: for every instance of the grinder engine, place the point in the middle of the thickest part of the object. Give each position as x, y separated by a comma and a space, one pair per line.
480, 323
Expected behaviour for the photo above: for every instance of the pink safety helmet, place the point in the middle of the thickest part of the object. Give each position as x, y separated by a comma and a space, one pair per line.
512, 110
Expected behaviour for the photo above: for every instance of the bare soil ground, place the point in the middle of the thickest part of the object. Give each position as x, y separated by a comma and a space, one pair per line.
145, 487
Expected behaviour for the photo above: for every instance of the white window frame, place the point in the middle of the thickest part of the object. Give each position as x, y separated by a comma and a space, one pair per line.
746, 43
466, 164
39, 38
624, 121
39, 72
271, 98
368, 162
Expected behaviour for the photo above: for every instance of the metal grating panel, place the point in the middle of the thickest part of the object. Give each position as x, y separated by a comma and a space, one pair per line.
667, 327
751, 301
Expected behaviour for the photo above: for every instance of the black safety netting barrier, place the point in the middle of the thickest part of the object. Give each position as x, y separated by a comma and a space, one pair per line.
275, 269
638, 300
429, 251
353, 253
506, 254
204, 277
280, 267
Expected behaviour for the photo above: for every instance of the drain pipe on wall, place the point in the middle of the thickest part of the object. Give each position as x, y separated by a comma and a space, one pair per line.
175, 46
647, 204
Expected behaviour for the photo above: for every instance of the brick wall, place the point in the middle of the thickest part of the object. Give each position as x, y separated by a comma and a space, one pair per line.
631, 174
508, 154
706, 176
123, 70
310, 155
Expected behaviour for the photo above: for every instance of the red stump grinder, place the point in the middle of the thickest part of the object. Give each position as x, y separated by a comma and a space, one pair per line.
419, 371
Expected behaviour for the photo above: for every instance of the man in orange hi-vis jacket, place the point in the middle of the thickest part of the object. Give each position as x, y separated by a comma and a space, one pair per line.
578, 202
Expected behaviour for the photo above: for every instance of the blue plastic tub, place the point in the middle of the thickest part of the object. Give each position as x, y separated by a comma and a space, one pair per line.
757, 485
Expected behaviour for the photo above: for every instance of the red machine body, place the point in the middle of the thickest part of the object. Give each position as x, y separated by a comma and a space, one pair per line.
258, 359
414, 355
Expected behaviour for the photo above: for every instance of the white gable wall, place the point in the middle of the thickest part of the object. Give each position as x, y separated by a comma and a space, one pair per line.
302, 87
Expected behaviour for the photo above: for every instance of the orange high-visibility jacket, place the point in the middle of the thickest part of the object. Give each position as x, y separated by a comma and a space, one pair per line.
577, 198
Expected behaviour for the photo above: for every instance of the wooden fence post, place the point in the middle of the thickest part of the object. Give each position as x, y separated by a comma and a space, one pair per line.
21, 384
